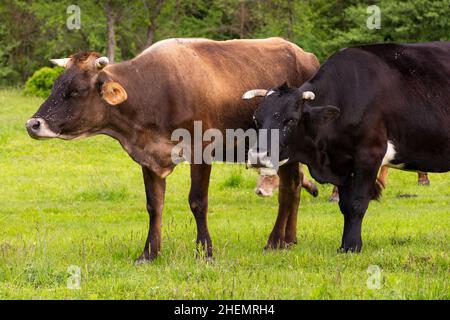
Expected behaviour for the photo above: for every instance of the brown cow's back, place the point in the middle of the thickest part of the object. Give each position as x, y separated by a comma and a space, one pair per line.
207, 78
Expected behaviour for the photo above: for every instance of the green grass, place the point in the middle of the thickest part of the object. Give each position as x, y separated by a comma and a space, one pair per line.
82, 203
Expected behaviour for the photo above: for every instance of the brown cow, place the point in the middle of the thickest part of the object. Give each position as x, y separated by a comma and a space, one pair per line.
268, 181
168, 86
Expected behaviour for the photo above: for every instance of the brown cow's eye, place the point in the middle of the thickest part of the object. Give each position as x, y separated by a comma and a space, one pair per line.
78, 92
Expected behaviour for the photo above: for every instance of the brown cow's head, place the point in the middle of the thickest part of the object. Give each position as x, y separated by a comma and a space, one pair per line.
268, 182
79, 103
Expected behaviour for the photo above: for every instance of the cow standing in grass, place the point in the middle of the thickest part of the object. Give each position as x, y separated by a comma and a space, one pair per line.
169, 86
366, 107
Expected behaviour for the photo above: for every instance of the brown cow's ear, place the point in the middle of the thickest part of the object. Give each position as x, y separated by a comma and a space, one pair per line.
113, 93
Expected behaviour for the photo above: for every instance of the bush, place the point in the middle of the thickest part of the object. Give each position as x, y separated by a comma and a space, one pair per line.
41, 82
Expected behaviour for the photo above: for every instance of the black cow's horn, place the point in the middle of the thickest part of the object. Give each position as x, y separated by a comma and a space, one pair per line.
101, 62
309, 95
254, 93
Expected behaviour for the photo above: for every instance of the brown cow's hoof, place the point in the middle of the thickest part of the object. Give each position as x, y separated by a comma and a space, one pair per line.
289, 242
275, 245
423, 182
270, 247
144, 259
334, 198
314, 192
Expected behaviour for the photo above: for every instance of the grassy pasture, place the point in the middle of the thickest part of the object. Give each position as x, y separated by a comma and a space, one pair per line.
82, 203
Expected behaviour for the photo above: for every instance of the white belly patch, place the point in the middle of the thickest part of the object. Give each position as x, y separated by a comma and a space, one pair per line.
390, 156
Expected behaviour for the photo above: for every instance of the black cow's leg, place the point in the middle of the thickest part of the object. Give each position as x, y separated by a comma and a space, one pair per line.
353, 202
285, 230
154, 190
198, 201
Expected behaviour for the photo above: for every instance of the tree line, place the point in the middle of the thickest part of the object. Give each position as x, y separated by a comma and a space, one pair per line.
32, 32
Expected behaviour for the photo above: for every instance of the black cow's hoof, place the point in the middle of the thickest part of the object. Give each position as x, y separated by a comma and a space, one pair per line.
349, 250
203, 255
315, 192
208, 259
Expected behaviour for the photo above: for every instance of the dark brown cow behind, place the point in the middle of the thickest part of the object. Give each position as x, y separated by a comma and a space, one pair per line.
169, 86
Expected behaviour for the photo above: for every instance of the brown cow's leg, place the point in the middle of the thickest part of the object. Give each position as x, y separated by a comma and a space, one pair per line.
382, 176
307, 184
154, 190
423, 179
285, 229
334, 195
198, 201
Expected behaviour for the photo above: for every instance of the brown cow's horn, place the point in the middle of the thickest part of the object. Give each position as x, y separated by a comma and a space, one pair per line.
101, 62
254, 93
60, 62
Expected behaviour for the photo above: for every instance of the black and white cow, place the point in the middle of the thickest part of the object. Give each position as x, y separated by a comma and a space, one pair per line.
367, 106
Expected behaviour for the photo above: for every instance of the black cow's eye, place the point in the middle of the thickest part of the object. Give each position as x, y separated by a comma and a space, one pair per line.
291, 122
74, 94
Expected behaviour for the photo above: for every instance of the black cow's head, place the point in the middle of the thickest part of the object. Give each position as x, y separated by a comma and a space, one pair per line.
80, 99
289, 110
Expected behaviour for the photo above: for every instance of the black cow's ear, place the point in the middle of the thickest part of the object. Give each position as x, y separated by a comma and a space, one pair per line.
323, 115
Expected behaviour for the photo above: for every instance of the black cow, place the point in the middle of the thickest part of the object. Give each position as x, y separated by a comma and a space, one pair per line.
367, 106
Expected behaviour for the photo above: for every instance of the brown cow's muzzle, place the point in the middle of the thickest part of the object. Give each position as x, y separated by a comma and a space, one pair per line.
38, 129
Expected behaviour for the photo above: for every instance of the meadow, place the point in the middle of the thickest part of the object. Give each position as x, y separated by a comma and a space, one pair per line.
82, 204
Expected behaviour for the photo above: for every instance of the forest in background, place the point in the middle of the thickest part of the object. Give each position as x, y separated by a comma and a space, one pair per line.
32, 32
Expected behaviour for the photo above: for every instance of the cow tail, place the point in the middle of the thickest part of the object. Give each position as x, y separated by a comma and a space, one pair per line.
377, 190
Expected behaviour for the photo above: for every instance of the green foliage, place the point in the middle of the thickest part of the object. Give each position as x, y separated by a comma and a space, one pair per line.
401, 21
235, 180
33, 32
41, 82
